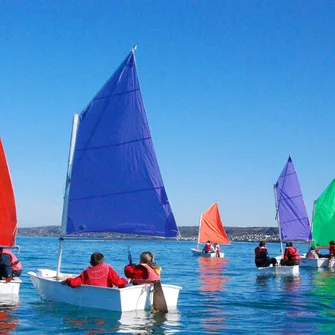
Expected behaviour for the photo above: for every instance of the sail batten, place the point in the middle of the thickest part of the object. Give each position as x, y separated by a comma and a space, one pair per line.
291, 212
116, 185
211, 227
324, 217
8, 217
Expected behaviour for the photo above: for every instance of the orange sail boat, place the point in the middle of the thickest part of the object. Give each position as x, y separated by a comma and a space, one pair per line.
211, 230
8, 220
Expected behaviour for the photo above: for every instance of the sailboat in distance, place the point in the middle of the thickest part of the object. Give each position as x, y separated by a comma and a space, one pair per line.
211, 229
8, 220
113, 184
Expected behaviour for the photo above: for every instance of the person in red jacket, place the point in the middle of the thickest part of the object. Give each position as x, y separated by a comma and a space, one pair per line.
147, 269
99, 274
262, 258
10, 266
331, 249
291, 255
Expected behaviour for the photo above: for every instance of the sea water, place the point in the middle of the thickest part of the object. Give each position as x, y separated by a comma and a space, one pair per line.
219, 296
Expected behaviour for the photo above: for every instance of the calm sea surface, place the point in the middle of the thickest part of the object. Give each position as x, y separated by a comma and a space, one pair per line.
219, 296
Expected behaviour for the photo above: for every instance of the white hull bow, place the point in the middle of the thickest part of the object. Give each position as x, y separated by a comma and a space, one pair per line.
11, 288
199, 253
317, 262
129, 298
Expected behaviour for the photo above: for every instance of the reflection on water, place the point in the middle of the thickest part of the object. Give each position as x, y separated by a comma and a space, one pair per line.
96, 321
8, 320
212, 281
211, 273
290, 283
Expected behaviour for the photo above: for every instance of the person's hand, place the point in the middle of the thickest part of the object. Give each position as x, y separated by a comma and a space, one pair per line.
129, 280
8, 280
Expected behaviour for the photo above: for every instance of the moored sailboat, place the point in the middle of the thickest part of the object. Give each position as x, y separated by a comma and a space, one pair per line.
323, 226
113, 184
291, 215
211, 229
8, 220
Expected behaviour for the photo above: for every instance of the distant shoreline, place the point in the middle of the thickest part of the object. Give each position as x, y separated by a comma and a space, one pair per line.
188, 233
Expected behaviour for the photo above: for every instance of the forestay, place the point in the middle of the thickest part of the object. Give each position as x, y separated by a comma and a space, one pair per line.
291, 213
324, 217
115, 183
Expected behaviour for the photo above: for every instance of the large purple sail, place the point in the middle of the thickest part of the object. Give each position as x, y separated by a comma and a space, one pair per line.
116, 185
292, 217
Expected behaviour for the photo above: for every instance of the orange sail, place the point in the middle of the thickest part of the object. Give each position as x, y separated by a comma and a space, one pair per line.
8, 221
211, 228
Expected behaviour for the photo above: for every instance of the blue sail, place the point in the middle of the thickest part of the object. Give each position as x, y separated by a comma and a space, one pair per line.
116, 185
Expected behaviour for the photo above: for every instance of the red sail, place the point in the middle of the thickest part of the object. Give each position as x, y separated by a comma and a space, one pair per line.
8, 221
211, 228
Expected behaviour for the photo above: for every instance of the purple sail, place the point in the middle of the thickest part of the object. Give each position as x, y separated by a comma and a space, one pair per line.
292, 216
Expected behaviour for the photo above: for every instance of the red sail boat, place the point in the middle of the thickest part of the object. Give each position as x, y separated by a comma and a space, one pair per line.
211, 229
8, 220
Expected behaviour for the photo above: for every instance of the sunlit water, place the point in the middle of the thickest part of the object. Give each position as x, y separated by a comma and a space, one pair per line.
219, 295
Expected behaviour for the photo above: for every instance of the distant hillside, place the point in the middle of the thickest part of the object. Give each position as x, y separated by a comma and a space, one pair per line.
187, 233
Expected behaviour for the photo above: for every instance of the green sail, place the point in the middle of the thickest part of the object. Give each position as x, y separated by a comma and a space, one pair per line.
324, 217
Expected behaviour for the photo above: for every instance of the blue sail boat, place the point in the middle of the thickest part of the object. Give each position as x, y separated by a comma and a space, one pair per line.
113, 184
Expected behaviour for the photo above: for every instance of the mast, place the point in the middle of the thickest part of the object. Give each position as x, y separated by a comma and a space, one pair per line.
277, 218
67, 190
310, 242
199, 232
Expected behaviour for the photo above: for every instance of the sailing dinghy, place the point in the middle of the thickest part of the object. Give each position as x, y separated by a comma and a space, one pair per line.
323, 227
291, 216
113, 184
211, 229
8, 220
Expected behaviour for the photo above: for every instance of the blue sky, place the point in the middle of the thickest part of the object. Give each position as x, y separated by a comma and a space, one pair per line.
231, 88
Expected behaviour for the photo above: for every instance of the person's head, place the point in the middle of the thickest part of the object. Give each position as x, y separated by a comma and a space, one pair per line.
331, 242
97, 258
215, 244
262, 243
146, 257
208, 242
289, 244
312, 247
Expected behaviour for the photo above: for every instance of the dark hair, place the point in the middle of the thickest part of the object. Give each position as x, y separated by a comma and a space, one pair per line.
148, 258
208, 241
262, 243
97, 258
331, 242
312, 248
289, 244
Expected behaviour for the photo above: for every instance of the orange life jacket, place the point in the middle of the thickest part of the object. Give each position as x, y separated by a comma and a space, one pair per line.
293, 254
14, 262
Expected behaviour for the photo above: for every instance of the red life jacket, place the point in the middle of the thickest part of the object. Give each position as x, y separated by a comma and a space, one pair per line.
98, 275
208, 247
332, 250
259, 253
14, 262
293, 254
152, 275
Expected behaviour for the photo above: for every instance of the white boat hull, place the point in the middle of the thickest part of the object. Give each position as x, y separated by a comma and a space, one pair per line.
279, 270
129, 298
199, 253
11, 288
317, 262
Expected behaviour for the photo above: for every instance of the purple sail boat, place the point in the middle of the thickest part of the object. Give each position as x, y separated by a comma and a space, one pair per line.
291, 214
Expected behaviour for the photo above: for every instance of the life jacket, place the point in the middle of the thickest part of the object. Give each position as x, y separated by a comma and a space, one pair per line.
259, 253
217, 249
208, 247
332, 250
293, 254
98, 275
152, 274
14, 262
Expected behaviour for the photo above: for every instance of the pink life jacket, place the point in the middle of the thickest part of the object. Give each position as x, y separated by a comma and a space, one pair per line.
98, 275
14, 262
152, 275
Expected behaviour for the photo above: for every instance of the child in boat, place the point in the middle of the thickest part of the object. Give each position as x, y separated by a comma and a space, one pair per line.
99, 274
217, 249
291, 255
262, 258
312, 253
10, 266
147, 269
208, 248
